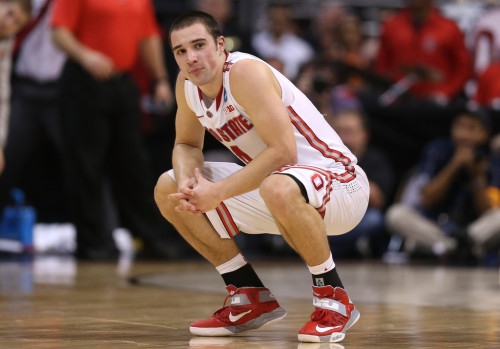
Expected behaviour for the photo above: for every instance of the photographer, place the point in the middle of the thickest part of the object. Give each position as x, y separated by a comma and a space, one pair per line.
449, 193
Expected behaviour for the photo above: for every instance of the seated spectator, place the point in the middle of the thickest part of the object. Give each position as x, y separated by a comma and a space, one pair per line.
369, 237
237, 38
281, 42
487, 97
420, 44
452, 193
424, 58
316, 80
355, 49
325, 29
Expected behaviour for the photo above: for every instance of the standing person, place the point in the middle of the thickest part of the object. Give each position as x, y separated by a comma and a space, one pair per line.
101, 116
14, 15
299, 180
34, 109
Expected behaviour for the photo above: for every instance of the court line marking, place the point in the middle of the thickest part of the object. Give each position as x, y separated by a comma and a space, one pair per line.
131, 323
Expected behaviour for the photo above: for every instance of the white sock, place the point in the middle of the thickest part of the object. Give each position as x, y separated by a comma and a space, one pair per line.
322, 268
233, 264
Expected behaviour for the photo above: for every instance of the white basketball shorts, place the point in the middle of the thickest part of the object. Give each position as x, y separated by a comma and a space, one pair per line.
342, 203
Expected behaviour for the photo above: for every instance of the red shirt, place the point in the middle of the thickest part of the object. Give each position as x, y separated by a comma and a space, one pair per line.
112, 27
437, 44
488, 85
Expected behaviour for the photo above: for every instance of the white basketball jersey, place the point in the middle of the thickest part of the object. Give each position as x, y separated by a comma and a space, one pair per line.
317, 143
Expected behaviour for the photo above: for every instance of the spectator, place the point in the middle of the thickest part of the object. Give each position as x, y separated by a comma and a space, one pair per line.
237, 38
280, 41
368, 237
486, 40
325, 30
354, 49
34, 112
316, 80
14, 15
424, 54
100, 106
451, 193
422, 45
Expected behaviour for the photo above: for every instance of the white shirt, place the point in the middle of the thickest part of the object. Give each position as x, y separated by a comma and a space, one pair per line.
289, 48
39, 58
486, 40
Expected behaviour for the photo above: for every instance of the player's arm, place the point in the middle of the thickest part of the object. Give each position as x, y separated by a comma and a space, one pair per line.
187, 153
255, 88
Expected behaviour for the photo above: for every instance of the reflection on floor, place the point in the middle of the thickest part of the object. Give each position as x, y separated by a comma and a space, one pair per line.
56, 302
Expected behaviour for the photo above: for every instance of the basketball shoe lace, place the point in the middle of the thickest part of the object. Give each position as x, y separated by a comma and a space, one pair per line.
223, 313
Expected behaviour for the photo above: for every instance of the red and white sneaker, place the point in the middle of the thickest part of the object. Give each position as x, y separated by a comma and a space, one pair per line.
333, 316
250, 308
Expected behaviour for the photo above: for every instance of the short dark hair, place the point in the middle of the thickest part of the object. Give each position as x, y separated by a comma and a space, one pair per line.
365, 122
189, 18
25, 5
482, 115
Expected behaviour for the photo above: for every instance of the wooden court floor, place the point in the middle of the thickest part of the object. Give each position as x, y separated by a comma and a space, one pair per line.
54, 302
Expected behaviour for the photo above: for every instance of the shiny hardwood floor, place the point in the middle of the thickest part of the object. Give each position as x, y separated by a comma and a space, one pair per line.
51, 302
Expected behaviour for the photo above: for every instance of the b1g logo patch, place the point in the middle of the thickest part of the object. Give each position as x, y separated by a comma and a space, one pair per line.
209, 114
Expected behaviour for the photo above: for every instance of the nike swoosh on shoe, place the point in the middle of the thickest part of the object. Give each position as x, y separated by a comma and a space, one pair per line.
326, 329
234, 318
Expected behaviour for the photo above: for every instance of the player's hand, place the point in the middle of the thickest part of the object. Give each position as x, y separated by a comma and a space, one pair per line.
100, 66
185, 195
205, 196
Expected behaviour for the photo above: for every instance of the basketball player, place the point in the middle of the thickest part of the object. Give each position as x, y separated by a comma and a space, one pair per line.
299, 180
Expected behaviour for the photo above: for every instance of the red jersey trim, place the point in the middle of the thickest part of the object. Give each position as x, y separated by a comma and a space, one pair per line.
227, 220
328, 175
321, 146
217, 99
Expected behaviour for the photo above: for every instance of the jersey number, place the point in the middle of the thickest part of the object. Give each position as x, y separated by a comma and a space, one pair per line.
241, 154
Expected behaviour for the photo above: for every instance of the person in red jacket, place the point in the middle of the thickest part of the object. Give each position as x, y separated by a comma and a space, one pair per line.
423, 57
419, 44
101, 116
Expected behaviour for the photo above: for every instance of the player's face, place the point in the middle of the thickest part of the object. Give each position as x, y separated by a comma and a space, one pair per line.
12, 18
198, 56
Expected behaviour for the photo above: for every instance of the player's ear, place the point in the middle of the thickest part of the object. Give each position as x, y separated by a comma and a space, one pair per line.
221, 43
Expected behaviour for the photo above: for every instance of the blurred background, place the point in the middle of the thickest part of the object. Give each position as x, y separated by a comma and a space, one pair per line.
396, 80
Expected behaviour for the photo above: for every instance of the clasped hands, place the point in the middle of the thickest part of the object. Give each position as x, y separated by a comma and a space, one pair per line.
196, 195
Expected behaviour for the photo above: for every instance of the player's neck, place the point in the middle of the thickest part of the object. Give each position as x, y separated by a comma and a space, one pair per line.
211, 89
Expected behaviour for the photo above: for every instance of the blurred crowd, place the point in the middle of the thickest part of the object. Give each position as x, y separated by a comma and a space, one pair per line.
412, 89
